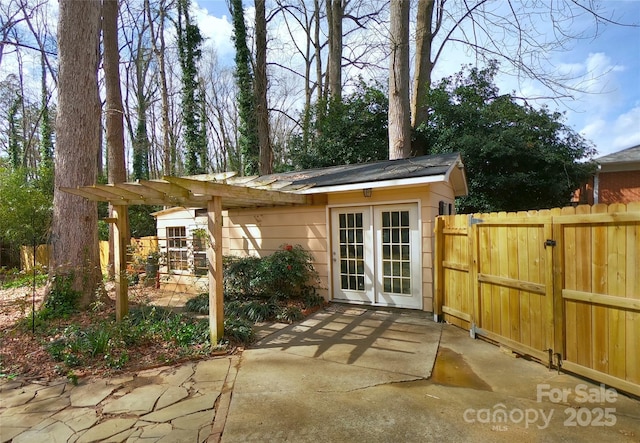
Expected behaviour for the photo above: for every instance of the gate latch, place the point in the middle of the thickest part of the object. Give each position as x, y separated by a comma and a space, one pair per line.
549, 242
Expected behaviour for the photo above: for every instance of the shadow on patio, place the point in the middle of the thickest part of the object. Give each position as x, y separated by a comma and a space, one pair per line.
378, 339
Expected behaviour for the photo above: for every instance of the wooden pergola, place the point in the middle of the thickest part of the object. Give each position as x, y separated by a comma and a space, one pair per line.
213, 191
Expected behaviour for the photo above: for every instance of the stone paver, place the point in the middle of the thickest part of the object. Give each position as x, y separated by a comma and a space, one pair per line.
185, 407
172, 395
356, 375
90, 394
139, 401
196, 420
107, 429
77, 419
56, 432
161, 404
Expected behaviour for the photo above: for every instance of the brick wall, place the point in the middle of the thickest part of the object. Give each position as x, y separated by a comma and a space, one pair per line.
619, 187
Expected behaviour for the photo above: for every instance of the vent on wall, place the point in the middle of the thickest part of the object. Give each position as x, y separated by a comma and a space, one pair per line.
445, 208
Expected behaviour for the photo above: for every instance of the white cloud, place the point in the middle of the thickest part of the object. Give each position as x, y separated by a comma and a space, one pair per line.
616, 134
216, 30
627, 128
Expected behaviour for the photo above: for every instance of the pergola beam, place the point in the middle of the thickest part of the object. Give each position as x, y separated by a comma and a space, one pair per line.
214, 259
142, 191
210, 191
120, 229
257, 196
167, 188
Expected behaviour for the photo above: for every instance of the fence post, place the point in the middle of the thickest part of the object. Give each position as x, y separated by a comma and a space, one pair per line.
438, 275
474, 286
558, 284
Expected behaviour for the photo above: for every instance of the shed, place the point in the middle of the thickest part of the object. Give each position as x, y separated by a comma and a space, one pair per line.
368, 226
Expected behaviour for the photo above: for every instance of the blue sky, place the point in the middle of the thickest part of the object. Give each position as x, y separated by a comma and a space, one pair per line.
608, 66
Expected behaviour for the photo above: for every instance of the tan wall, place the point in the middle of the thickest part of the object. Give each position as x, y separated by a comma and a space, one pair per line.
428, 197
262, 231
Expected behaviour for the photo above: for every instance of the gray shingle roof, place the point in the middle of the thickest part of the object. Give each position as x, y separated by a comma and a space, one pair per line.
423, 166
626, 155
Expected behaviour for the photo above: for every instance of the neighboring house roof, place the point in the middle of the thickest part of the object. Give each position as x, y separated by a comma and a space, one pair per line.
625, 160
416, 170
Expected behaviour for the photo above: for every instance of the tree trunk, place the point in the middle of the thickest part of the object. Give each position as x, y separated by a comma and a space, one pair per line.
167, 164
262, 109
423, 68
399, 122
116, 172
335, 12
318, 51
74, 235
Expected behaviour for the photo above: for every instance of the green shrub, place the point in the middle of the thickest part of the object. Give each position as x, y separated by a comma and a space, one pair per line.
286, 274
106, 342
261, 289
238, 276
198, 304
312, 300
238, 330
14, 278
62, 300
289, 314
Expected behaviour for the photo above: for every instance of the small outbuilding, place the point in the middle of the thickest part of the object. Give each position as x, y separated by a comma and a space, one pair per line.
369, 227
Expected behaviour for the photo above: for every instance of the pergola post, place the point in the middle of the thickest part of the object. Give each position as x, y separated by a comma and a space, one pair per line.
214, 264
120, 229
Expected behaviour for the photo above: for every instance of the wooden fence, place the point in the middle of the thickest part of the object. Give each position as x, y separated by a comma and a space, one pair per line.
138, 251
561, 285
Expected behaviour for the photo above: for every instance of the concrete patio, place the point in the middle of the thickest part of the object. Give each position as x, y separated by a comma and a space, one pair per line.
344, 374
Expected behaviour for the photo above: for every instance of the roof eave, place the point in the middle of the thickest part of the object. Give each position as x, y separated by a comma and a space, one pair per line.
455, 176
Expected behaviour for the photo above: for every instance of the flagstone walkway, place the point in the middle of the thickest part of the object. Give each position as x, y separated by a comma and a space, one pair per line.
166, 404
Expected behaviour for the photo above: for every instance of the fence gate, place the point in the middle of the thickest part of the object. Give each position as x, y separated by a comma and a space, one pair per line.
560, 284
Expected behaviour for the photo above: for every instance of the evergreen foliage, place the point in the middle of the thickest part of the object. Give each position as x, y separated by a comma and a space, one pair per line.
347, 132
516, 157
193, 118
248, 124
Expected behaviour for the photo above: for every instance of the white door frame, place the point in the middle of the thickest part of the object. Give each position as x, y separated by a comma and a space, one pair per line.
417, 240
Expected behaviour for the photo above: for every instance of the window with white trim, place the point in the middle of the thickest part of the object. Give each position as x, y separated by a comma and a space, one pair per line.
177, 250
199, 254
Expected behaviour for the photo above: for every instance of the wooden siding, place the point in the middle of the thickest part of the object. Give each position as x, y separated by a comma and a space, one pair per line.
262, 231
564, 280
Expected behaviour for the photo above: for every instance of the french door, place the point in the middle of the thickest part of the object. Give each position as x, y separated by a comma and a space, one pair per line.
376, 255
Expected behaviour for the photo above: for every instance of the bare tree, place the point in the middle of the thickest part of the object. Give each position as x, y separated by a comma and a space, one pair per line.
114, 111
116, 171
222, 113
159, 49
74, 235
10, 17
260, 85
399, 121
335, 14
510, 32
